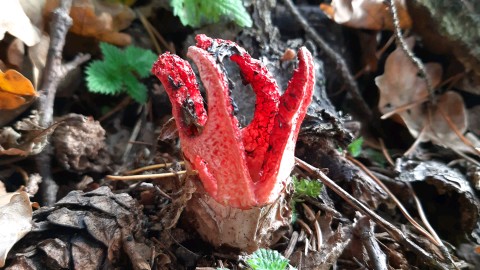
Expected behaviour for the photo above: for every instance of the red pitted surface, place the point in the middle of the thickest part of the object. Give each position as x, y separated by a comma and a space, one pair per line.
240, 168
256, 134
280, 159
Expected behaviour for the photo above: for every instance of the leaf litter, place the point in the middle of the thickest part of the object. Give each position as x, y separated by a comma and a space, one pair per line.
100, 228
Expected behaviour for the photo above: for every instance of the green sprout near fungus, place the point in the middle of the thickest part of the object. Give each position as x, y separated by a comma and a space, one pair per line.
120, 71
305, 187
267, 259
195, 13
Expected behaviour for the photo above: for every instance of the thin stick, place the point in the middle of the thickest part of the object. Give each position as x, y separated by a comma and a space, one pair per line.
403, 108
318, 234
53, 74
417, 141
152, 167
124, 103
144, 176
457, 132
401, 42
148, 27
291, 245
385, 47
393, 231
421, 213
397, 202
159, 36
385, 152
341, 65
452, 79
429, 227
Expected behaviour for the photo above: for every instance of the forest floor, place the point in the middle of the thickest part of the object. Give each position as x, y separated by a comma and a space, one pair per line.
94, 173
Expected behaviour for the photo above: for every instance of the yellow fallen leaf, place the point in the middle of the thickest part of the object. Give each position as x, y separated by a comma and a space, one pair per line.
14, 87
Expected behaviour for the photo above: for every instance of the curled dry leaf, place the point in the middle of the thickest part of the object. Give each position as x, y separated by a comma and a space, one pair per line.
16, 53
432, 179
38, 56
15, 90
368, 14
14, 21
92, 230
403, 92
15, 222
25, 138
80, 144
99, 19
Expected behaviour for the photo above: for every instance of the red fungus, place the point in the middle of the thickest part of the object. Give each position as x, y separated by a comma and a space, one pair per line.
241, 168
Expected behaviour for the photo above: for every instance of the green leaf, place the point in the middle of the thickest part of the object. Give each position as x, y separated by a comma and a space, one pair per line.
197, 12
120, 70
112, 54
305, 187
135, 89
235, 9
102, 79
266, 259
140, 59
355, 148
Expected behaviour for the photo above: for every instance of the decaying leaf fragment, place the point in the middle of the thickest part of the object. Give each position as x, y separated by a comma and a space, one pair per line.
92, 230
15, 222
366, 14
404, 92
15, 90
244, 172
25, 138
450, 190
14, 21
71, 148
99, 19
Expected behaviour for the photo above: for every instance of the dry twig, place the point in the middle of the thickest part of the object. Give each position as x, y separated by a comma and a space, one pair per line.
341, 64
393, 231
401, 42
53, 74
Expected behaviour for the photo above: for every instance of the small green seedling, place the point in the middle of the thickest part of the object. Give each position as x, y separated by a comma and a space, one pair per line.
120, 71
195, 13
355, 148
267, 259
304, 187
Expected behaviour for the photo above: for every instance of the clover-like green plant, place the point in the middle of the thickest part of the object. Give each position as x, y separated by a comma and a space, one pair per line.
304, 187
197, 12
120, 71
267, 259
355, 148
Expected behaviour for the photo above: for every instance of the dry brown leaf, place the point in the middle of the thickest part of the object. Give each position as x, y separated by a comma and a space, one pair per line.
16, 53
38, 56
404, 92
14, 21
33, 10
15, 90
101, 20
28, 138
15, 222
16, 94
367, 14
3, 190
